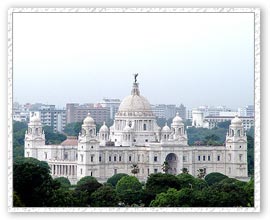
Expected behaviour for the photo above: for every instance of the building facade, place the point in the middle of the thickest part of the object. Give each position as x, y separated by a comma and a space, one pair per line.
135, 138
50, 116
77, 113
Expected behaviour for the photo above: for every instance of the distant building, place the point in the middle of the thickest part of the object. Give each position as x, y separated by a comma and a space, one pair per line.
112, 104
77, 113
50, 116
19, 113
246, 111
212, 121
169, 111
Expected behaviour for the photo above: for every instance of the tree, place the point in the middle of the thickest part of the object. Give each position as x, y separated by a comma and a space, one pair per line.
158, 183
105, 196
53, 137
115, 178
32, 182
249, 188
129, 190
63, 181
186, 180
166, 199
88, 184
214, 177
165, 167
250, 155
19, 129
73, 129
224, 124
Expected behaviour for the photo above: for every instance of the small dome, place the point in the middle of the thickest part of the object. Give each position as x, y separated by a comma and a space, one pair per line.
104, 128
88, 120
177, 119
166, 128
236, 121
35, 118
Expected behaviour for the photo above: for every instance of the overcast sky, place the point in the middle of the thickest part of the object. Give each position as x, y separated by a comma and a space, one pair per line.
190, 58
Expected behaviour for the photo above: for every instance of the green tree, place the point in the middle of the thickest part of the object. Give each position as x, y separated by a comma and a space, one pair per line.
158, 183
166, 199
115, 178
129, 190
249, 188
32, 182
186, 180
184, 170
63, 181
214, 177
250, 155
88, 184
105, 196
73, 129
53, 137
224, 124
19, 129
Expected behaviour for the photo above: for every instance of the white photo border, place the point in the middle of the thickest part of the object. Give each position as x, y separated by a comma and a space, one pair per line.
257, 100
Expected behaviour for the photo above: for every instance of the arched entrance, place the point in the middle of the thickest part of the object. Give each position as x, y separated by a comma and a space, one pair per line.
171, 159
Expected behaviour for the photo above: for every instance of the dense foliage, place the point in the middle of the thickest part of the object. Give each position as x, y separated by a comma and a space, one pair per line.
34, 187
115, 178
73, 129
53, 137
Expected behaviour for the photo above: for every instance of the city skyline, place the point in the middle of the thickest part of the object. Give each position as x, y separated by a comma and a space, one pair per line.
207, 61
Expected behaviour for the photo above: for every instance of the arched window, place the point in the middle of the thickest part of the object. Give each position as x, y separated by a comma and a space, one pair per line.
238, 132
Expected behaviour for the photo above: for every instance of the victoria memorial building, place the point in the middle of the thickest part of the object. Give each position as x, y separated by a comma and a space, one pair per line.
135, 138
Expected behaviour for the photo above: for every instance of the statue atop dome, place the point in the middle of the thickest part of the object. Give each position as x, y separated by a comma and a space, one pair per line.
135, 77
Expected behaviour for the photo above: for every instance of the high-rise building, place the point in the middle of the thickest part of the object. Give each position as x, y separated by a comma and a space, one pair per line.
76, 112
50, 116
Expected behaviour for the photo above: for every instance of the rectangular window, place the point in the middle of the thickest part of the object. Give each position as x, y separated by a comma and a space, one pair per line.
138, 158
209, 158
129, 158
199, 158
115, 171
92, 158
184, 158
114, 158
110, 158
218, 158
81, 158
155, 170
120, 158
240, 157
203, 158
99, 158
155, 158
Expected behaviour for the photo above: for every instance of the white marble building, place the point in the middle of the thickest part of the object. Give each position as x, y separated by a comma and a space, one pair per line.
135, 138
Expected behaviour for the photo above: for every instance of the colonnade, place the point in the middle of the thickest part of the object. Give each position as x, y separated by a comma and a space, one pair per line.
64, 170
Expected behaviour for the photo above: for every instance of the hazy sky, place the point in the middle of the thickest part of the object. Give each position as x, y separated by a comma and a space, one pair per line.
190, 58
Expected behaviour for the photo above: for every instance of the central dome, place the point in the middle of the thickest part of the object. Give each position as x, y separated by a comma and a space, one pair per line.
135, 102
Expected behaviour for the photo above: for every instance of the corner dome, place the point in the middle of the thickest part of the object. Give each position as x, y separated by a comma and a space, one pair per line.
88, 120
166, 128
104, 128
236, 121
35, 119
177, 119
135, 102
